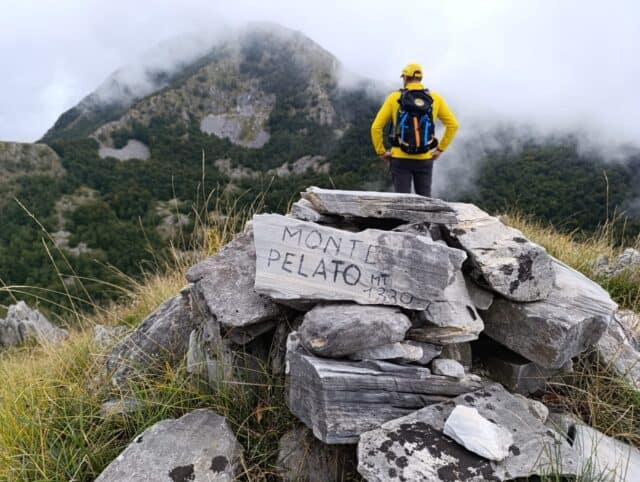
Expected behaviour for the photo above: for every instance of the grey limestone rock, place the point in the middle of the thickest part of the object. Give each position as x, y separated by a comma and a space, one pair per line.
414, 447
447, 368
500, 257
339, 400
161, 338
552, 331
460, 352
303, 458
600, 457
337, 330
225, 282
198, 447
367, 204
454, 313
104, 336
628, 260
304, 211
617, 349
23, 323
302, 261
403, 352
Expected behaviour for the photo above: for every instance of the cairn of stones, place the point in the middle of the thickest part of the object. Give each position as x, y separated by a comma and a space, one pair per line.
407, 326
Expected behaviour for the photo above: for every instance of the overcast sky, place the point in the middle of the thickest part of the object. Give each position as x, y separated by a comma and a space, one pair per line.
559, 65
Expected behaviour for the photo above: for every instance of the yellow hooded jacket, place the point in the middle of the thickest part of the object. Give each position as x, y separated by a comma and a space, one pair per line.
388, 111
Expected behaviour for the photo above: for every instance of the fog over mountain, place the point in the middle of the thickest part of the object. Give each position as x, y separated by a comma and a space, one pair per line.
548, 67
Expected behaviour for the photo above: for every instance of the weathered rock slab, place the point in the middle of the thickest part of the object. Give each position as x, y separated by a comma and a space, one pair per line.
23, 323
340, 329
448, 368
552, 331
338, 400
161, 338
414, 447
454, 314
225, 281
500, 256
197, 447
403, 352
304, 211
303, 458
600, 457
617, 350
367, 204
298, 260
477, 434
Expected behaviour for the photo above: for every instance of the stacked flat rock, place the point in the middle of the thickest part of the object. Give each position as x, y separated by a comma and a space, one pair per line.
401, 284
379, 308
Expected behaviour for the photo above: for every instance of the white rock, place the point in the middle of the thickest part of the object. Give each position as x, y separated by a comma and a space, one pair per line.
477, 434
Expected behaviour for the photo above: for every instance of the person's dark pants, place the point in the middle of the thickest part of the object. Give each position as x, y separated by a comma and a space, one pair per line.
403, 171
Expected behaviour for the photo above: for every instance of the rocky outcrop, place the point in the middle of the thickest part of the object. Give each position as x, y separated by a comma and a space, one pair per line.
501, 258
619, 351
599, 456
415, 448
198, 447
627, 261
19, 159
225, 282
23, 324
552, 331
161, 338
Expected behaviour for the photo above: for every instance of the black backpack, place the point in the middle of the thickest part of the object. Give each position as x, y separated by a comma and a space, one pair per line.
414, 129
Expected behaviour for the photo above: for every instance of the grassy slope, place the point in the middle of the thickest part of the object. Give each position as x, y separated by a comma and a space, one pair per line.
50, 427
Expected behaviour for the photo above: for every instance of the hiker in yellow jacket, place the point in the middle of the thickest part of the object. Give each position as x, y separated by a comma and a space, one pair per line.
414, 145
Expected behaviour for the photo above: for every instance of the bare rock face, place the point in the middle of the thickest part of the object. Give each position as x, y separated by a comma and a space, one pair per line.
599, 457
447, 368
501, 257
198, 447
339, 400
337, 330
302, 261
161, 338
303, 458
402, 352
304, 211
415, 448
23, 324
225, 282
453, 317
617, 350
366, 204
628, 260
552, 331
